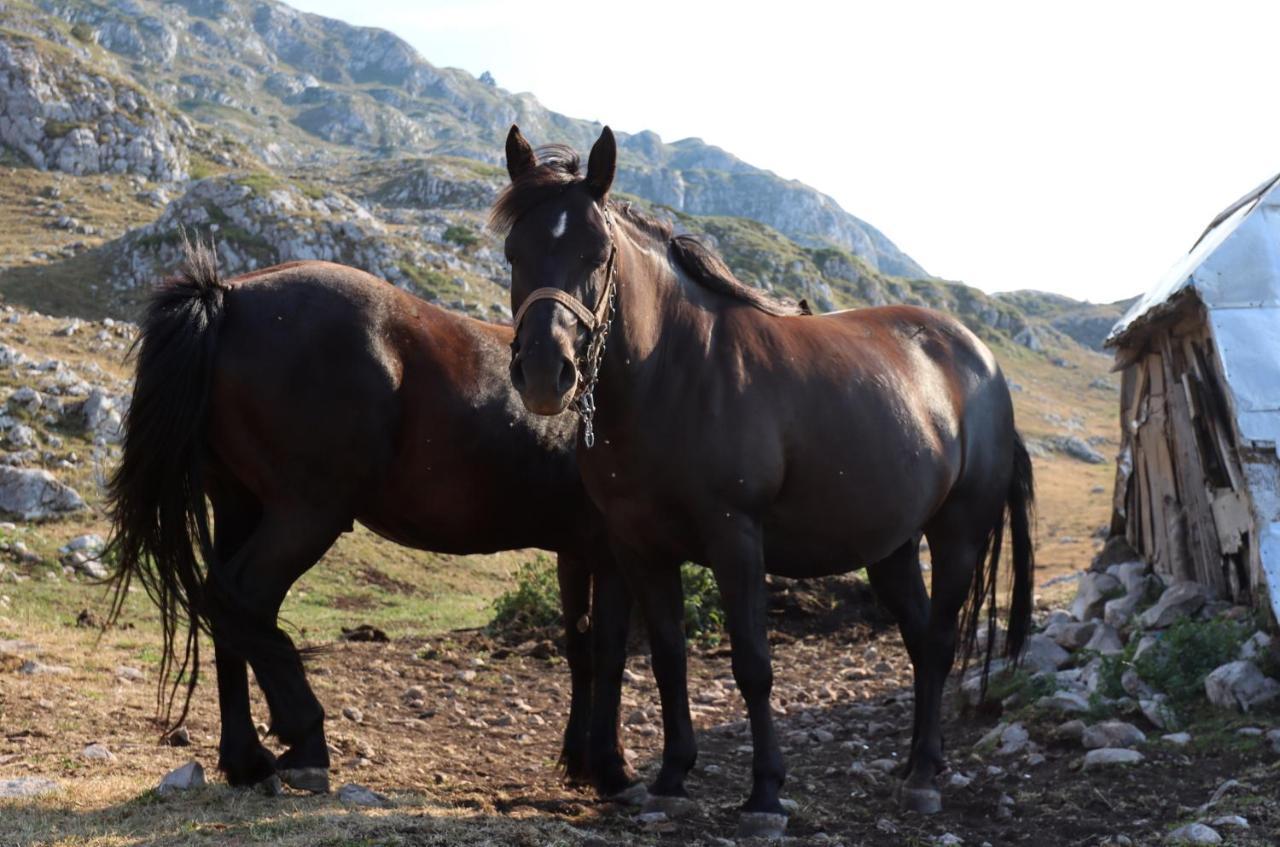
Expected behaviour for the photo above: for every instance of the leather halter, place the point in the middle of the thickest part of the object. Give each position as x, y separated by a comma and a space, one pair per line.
597, 321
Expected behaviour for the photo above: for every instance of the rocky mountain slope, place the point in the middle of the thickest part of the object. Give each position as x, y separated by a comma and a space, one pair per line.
301, 88
287, 136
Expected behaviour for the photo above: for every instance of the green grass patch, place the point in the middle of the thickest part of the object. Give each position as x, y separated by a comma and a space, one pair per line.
461, 235
260, 182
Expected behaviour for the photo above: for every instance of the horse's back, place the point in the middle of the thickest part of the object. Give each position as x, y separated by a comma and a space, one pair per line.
331, 383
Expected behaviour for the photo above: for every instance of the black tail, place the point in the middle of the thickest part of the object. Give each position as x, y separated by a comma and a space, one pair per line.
157, 495
1020, 508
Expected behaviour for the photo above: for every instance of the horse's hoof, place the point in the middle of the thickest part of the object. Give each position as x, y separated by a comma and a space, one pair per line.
269, 787
672, 807
314, 780
922, 801
762, 825
635, 796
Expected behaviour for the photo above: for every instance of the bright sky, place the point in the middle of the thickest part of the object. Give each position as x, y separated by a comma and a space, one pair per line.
1077, 147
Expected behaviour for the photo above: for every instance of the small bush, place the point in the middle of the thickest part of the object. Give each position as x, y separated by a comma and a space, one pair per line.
460, 235
1188, 653
82, 32
703, 614
533, 603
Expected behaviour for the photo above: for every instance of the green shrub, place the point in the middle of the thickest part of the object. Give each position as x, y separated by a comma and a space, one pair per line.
461, 235
82, 32
533, 603
703, 614
1188, 652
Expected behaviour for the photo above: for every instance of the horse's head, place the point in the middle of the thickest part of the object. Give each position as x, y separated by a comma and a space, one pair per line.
561, 249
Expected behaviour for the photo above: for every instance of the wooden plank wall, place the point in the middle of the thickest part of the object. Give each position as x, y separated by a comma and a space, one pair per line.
1185, 466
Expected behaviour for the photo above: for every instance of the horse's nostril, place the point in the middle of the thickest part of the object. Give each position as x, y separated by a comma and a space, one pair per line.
568, 376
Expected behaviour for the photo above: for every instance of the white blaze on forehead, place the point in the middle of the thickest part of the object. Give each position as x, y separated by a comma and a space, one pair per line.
561, 223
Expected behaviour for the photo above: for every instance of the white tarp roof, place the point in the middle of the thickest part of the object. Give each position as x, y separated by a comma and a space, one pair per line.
1234, 269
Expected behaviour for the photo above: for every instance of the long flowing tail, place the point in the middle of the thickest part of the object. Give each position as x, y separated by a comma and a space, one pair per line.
157, 496
1020, 509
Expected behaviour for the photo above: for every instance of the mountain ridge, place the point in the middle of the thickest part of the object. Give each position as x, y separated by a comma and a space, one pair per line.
366, 88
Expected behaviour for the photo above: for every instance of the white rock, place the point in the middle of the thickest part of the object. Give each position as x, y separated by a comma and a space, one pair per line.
1180, 739
1071, 635
1132, 575
1134, 686
358, 795
1157, 710
1105, 640
1193, 833
1043, 654
1240, 685
97, 751
1109, 757
1065, 702
34, 494
1112, 734
1178, 601
1091, 597
1237, 821
1007, 739
1119, 611
190, 775
27, 786
1256, 645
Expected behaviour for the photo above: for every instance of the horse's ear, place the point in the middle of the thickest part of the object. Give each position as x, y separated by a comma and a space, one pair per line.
602, 164
520, 158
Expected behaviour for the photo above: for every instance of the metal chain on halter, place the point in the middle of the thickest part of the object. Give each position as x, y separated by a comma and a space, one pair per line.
589, 372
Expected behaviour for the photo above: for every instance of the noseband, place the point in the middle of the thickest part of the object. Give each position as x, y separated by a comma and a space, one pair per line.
597, 321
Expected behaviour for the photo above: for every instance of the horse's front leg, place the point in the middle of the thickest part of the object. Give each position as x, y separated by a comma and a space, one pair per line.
658, 590
737, 559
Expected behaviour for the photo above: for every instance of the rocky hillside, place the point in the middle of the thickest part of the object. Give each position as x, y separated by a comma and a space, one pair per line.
300, 88
287, 136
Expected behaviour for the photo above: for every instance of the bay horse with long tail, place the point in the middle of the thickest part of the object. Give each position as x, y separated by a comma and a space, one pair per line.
297, 400
731, 430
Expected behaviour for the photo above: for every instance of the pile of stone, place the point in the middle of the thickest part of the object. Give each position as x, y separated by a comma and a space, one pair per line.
1124, 605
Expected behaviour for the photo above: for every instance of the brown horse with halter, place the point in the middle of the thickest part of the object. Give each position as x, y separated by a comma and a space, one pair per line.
723, 427
299, 399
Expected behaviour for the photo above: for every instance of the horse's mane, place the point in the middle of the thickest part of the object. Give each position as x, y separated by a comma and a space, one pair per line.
558, 169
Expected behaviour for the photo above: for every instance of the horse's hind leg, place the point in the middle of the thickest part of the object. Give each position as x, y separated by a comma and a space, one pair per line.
252, 586
575, 600
956, 544
899, 586
241, 755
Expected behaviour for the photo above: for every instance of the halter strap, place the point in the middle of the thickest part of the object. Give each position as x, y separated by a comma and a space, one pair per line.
564, 298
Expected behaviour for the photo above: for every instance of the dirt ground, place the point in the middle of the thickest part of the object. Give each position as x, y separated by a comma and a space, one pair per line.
475, 764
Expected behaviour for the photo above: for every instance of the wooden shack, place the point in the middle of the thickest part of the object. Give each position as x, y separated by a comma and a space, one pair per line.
1198, 472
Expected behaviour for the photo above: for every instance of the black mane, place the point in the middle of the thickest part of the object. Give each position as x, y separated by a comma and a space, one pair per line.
559, 168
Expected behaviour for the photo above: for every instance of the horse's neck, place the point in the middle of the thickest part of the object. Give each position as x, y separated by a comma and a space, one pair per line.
654, 317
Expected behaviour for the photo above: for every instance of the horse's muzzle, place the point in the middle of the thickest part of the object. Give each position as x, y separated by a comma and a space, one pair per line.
545, 383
